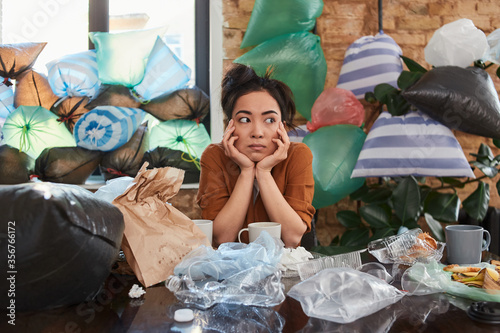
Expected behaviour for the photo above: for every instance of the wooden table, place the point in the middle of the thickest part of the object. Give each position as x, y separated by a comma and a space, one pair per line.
113, 311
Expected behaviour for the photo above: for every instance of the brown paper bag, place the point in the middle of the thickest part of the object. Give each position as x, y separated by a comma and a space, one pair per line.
157, 235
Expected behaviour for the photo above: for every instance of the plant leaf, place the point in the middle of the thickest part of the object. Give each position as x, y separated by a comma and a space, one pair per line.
359, 193
498, 75
370, 97
376, 216
397, 105
486, 169
382, 91
412, 65
406, 199
381, 233
496, 142
442, 206
498, 187
452, 181
355, 237
476, 205
349, 219
436, 228
334, 250
407, 79
377, 195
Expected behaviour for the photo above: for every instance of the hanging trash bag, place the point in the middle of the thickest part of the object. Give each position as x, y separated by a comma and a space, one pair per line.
70, 165
74, 75
412, 144
369, 61
128, 159
164, 73
69, 110
272, 18
335, 151
188, 103
459, 98
336, 106
458, 43
33, 89
66, 243
122, 56
115, 95
15, 166
298, 60
6, 99
161, 157
31, 129
107, 128
17, 58
179, 134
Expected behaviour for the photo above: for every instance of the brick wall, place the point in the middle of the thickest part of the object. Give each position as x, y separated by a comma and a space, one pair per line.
411, 23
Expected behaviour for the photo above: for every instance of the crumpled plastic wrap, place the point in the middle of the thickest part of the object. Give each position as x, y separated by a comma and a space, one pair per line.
429, 278
343, 295
235, 273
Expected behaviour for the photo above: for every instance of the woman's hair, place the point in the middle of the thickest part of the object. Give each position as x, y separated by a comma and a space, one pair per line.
241, 80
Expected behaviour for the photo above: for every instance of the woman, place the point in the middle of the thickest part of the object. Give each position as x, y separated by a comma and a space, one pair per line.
256, 174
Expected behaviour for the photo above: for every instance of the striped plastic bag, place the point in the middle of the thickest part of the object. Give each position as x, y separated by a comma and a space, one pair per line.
107, 128
74, 75
6, 100
165, 72
369, 61
412, 144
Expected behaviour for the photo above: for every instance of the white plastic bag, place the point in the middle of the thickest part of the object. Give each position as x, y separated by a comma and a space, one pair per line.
458, 43
343, 295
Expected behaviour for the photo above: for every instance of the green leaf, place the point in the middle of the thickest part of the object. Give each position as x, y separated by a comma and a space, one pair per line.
436, 228
498, 187
452, 181
376, 216
382, 91
370, 97
476, 205
349, 219
397, 105
381, 233
412, 65
360, 192
407, 79
335, 241
355, 237
406, 199
334, 250
377, 195
498, 75
486, 169
442, 206
484, 154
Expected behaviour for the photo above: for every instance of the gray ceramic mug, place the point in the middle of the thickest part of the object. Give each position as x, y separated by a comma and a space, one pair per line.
464, 243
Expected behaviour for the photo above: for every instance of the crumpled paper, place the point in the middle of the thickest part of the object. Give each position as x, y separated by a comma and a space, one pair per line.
157, 235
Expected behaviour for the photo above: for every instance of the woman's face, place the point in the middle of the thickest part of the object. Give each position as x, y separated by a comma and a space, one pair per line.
256, 119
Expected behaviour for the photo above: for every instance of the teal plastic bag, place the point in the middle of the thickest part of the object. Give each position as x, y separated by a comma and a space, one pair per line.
180, 134
272, 18
335, 151
31, 129
297, 60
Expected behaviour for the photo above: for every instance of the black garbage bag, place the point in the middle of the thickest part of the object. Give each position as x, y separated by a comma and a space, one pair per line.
113, 94
126, 160
162, 157
66, 241
70, 165
460, 98
188, 103
15, 166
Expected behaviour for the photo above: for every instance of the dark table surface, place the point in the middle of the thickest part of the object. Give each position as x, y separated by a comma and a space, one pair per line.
113, 311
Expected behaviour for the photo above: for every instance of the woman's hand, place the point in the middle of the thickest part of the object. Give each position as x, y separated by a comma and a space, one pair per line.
232, 152
280, 154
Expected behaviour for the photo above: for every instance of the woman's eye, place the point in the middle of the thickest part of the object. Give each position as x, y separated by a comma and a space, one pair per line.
270, 120
244, 120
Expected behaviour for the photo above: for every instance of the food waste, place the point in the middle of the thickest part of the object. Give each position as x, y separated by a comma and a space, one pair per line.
485, 278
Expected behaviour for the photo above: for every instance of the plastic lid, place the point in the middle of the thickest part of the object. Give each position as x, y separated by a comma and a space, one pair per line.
183, 315
485, 312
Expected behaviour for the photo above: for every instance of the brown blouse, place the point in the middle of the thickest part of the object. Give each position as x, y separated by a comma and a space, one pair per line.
294, 177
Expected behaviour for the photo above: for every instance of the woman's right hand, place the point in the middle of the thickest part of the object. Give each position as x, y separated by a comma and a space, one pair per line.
232, 152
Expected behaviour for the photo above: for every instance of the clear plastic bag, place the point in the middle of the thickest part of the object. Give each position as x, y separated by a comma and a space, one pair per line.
429, 278
235, 273
343, 295
113, 188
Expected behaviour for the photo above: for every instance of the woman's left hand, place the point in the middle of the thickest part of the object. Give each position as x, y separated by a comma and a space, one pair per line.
280, 154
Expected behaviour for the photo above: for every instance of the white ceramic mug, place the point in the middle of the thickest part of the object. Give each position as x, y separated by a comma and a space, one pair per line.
206, 226
254, 230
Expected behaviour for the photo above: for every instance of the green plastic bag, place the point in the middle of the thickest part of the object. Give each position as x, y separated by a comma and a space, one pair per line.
335, 151
271, 18
180, 134
297, 60
31, 129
